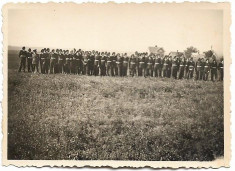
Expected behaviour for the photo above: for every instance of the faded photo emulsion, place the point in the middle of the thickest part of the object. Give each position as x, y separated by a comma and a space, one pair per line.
119, 85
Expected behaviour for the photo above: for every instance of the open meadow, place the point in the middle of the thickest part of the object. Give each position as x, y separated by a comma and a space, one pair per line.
76, 117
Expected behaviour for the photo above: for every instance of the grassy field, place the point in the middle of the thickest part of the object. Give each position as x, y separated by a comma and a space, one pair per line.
109, 118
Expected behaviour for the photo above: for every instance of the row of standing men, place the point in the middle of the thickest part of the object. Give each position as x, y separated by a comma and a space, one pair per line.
105, 63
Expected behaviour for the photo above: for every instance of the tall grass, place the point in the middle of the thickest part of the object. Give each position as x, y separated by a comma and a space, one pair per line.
109, 118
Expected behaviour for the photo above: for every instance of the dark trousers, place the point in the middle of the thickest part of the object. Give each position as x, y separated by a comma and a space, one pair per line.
181, 72
157, 70
65, 68
96, 70
186, 73
22, 64
60, 66
47, 66
44, 67
52, 67
201, 74
119, 70
124, 71
35, 67
205, 75
221, 71
73, 66
174, 72
190, 74
133, 70
109, 70
40, 63
91, 68
149, 71
165, 72
114, 69
169, 72
29, 64
102, 70
80, 67
213, 74
141, 71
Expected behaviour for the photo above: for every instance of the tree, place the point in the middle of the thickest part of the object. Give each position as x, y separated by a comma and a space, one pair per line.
188, 52
208, 53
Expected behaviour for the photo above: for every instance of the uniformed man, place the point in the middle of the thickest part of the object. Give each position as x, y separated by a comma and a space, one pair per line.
213, 70
169, 66
157, 66
186, 68
85, 62
109, 65
43, 61
174, 67
191, 68
29, 60
132, 65
60, 61
141, 65
96, 64
92, 58
221, 69
67, 62
149, 66
40, 61
73, 61
56, 62
53, 59
198, 69
181, 67
47, 62
102, 64
22, 56
125, 64
35, 60
165, 66
80, 62
114, 65
119, 64
202, 69
206, 70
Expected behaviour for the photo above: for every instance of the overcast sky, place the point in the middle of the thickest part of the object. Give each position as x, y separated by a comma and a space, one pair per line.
116, 27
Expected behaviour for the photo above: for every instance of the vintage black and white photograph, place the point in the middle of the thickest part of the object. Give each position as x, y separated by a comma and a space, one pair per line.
117, 82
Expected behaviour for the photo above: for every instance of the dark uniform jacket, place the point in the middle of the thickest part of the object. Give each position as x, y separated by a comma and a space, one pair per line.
141, 62
102, 61
22, 53
165, 64
213, 65
150, 62
125, 61
221, 65
191, 65
97, 60
29, 55
157, 62
132, 62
